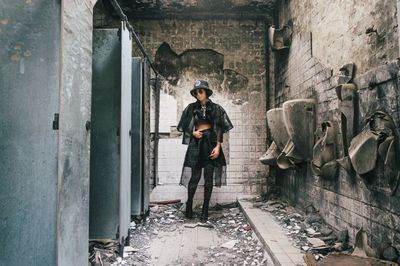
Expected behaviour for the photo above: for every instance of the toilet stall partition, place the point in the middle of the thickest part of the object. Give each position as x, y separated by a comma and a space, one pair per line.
110, 162
137, 137
29, 118
140, 181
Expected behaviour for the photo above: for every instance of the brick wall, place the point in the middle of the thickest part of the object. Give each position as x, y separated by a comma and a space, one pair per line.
332, 34
339, 30
241, 44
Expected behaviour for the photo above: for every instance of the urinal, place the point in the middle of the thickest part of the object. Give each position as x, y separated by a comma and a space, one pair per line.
278, 135
324, 150
346, 94
363, 152
269, 157
299, 120
346, 73
280, 38
277, 127
374, 152
289, 157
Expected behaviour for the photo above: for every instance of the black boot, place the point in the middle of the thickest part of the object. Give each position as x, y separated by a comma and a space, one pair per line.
204, 212
189, 209
189, 203
207, 196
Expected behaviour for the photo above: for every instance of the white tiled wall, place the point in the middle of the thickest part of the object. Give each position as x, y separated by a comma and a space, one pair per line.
242, 146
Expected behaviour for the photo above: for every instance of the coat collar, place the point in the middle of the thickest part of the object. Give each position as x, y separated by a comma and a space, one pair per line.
208, 102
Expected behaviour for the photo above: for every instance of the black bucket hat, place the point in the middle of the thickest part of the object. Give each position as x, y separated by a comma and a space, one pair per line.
201, 84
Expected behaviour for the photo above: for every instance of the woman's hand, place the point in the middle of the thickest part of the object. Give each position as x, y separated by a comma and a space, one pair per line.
215, 152
197, 134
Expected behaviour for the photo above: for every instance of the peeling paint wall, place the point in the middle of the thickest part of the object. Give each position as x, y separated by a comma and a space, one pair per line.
334, 33
230, 55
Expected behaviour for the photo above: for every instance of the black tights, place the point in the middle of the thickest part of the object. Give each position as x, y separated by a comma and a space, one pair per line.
208, 183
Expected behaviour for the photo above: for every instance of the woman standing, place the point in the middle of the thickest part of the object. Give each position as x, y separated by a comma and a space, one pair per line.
203, 124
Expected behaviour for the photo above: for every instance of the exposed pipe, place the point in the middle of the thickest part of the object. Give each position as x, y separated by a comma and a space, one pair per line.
267, 66
267, 77
124, 18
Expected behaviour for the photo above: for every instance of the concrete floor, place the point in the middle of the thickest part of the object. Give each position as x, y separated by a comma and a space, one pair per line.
186, 246
168, 238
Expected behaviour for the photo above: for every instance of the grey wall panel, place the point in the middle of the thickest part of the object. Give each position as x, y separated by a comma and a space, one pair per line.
125, 163
74, 140
29, 97
137, 137
105, 117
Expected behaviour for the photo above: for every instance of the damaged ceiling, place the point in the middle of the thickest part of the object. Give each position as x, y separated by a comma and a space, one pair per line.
200, 9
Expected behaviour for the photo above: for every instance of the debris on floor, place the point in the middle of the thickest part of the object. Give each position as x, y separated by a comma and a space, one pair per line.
349, 260
240, 246
308, 230
317, 240
103, 252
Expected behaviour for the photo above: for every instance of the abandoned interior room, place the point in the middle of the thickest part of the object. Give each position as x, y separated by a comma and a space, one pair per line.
300, 120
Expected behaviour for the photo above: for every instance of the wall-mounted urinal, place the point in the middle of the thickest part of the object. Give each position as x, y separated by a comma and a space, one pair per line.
346, 94
374, 155
280, 39
299, 119
325, 152
278, 135
346, 73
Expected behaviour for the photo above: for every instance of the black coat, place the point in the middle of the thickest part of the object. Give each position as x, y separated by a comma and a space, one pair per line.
220, 124
220, 120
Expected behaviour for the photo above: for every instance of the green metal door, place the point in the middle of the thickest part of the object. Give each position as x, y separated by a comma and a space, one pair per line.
29, 99
140, 137
110, 135
137, 137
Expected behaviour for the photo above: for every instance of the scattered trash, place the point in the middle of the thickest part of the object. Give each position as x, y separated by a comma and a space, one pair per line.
316, 242
190, 225
309, 232
247, 227
130, 249
165, 202
345, 259
241, 248
103, 252
230, 244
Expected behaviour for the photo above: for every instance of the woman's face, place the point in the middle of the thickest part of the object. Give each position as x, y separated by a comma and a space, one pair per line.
201, 94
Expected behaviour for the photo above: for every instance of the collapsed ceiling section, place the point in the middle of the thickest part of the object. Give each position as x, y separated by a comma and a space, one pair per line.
216, 9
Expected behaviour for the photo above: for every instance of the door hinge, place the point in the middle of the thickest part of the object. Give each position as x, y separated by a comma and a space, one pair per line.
56, 121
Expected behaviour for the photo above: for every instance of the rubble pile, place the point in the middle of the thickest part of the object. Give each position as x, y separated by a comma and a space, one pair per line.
308, 231
244, 248
103, 252
241, 248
